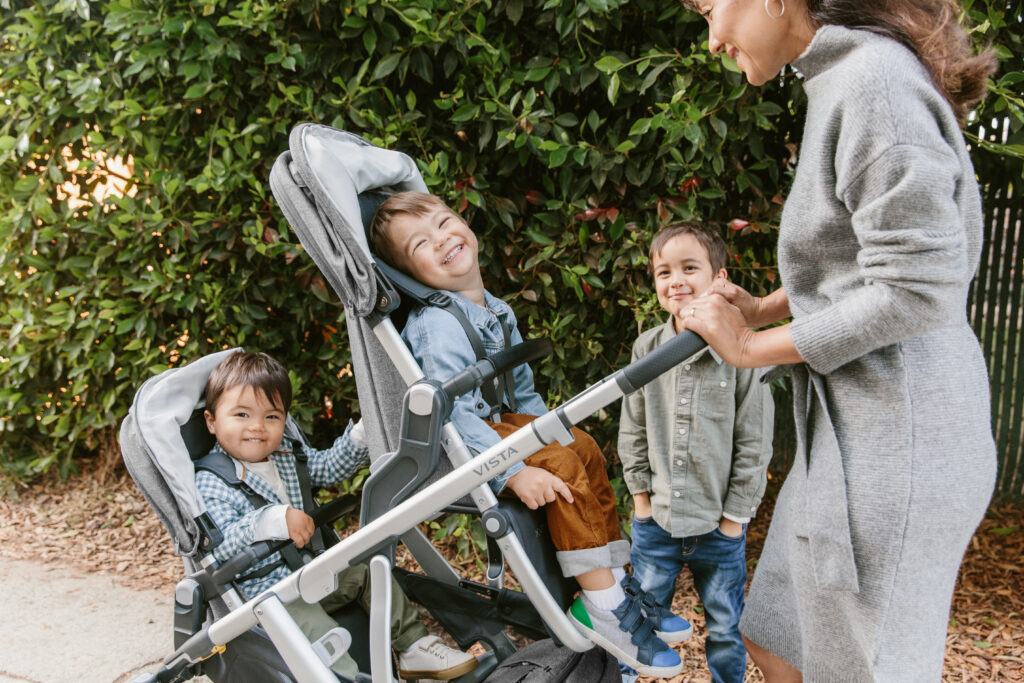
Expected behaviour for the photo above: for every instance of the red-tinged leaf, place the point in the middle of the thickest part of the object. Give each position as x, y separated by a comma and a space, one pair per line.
612, 214
738, 224
689, 186
587, 289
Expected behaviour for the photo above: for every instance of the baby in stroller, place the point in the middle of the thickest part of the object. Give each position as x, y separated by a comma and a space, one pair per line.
247, 400
418, 234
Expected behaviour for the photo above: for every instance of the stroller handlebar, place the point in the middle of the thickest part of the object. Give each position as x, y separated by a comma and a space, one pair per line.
488, 368
669, 354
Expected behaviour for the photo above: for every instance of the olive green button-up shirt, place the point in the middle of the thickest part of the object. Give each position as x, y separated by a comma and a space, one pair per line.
698, 438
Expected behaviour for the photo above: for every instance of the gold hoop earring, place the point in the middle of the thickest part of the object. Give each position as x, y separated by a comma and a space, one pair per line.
782, 11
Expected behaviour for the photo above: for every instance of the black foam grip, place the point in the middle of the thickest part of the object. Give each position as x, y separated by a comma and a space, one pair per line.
666, 356
485, 370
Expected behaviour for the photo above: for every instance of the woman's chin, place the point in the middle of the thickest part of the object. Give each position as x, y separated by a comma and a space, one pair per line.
756, 80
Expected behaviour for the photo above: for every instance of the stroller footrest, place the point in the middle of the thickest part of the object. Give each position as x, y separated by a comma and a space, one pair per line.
471, 611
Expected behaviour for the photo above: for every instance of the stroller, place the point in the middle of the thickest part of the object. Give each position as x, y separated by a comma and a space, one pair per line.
329, 184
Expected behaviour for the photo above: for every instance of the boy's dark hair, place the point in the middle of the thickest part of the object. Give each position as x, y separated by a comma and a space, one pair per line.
712, 242
401, 203
250, 369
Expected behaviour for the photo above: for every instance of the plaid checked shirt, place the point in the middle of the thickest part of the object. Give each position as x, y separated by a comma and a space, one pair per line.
237, 518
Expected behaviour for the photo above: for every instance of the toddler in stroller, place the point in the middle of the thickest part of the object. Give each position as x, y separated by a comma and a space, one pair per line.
247, 398
422, 237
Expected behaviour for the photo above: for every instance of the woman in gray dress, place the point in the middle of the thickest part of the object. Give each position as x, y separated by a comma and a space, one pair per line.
878, 242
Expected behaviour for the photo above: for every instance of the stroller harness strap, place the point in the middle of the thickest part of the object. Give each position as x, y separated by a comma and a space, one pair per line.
219, 463
493, 392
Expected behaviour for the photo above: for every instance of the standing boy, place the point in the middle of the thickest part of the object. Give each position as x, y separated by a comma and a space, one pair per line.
419, 235
695, 445
247, 400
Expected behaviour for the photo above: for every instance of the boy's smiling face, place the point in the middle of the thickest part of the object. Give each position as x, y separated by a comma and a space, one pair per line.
437, 248
247, 424
682, 272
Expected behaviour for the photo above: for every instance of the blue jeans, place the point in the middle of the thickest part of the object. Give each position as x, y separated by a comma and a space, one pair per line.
719, 567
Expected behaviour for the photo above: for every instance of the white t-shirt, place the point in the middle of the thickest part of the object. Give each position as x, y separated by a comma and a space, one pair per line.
272, 524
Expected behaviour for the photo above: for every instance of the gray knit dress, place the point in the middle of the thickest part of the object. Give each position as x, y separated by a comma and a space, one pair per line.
878, 243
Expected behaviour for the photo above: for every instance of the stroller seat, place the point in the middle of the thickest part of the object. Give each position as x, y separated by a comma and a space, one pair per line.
161, 439
329, 184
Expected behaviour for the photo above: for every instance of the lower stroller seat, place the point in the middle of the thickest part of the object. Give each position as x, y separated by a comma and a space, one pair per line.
162, 439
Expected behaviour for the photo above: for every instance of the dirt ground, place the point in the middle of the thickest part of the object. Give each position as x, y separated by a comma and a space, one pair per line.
103, 525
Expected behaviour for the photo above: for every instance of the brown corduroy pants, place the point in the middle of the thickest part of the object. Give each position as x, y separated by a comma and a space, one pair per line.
590, 521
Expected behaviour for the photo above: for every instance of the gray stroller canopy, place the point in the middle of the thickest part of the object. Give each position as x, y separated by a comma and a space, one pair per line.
339, 248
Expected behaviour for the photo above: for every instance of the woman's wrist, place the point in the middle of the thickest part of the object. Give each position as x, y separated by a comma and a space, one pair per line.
770, 309
773, 346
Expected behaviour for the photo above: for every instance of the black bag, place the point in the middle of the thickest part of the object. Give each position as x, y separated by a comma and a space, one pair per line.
544, 662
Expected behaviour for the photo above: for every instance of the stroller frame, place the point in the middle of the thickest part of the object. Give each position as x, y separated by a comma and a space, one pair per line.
332, 194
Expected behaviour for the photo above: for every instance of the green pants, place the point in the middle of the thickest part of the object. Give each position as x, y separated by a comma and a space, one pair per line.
353, 586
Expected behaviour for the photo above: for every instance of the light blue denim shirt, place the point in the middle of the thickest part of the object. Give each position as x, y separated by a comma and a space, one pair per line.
442, 349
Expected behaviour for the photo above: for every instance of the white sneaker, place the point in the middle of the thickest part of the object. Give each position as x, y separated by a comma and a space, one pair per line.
429, 657
626, 634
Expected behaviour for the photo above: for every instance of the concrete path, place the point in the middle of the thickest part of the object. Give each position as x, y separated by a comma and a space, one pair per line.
63, 626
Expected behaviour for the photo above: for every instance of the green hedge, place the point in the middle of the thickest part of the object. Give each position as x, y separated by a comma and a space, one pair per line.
567, 133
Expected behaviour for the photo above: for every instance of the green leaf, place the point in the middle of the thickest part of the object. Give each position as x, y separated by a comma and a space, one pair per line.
538, 237
608, 64
613, 88
196, 91
386, 66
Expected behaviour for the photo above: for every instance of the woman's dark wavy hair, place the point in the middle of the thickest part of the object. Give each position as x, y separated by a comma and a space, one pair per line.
928, 28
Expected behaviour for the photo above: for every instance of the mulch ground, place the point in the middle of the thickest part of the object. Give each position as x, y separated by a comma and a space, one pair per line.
103, 525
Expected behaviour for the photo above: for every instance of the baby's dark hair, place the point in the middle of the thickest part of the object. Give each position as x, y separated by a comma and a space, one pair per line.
712, 242
408, 203
250, 369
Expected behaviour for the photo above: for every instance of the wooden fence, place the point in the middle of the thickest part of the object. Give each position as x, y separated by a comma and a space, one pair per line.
996, 303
